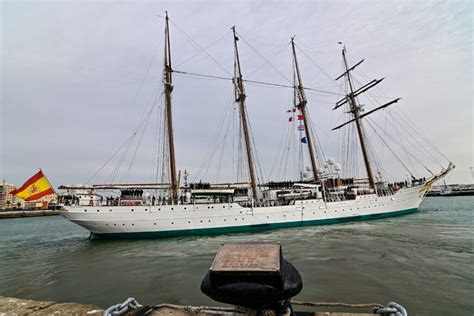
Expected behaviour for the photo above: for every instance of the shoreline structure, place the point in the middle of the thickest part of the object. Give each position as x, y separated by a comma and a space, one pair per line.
24, 213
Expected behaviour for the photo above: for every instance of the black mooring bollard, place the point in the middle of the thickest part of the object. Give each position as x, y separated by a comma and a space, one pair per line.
254, 276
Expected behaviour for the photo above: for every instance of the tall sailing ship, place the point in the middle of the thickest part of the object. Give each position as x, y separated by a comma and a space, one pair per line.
317, 197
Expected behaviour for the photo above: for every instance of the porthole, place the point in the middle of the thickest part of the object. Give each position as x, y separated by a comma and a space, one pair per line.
201, 221
172, 223
225, 220
185, 207
208, 207
110, 210
98, 211
106, 224
189, 222
236, 219
172, 208
132, 210
209, 221
212, 206
133, 224
314, 213
123, 224
223, 206
154, 224
85, 210
115, 224
159, 209
146, 210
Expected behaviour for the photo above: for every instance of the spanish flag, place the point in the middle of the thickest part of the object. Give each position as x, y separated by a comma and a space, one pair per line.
34, 188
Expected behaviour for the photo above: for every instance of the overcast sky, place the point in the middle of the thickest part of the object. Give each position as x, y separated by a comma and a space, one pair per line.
77, 76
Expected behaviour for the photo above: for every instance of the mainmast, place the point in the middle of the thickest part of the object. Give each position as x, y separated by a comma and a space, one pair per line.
302, 106
240, 97
357, 112
168, 88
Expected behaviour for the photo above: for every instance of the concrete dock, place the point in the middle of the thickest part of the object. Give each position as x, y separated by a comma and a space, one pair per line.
23, 307
19, 214
20, 307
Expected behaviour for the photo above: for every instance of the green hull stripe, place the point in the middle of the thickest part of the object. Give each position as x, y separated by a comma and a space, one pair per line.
247, 228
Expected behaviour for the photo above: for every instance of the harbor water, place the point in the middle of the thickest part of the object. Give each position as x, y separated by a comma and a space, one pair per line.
424, 261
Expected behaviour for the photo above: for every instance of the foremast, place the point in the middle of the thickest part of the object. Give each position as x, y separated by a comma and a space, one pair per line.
168, 88
356, 110
302, 107
240, 98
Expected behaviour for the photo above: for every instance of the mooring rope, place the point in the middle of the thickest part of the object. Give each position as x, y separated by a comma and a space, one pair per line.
336, 304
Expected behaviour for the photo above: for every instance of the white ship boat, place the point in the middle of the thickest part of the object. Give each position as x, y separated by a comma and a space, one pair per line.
320, 198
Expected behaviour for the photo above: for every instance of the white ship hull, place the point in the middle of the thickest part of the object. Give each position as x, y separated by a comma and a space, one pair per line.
199, 219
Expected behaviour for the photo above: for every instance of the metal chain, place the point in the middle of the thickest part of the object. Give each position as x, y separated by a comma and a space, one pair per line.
392, 309
120, 309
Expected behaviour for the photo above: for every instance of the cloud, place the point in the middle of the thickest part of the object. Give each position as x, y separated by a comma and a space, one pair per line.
73, 73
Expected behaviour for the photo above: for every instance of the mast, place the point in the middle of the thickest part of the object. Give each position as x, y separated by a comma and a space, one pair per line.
302, 107
168, 88
240, 97
355, 109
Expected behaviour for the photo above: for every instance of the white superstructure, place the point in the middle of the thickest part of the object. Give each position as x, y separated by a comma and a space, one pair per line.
195, 219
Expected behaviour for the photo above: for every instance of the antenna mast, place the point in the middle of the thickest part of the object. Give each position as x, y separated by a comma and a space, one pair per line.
240, 97
168, 85
302, 106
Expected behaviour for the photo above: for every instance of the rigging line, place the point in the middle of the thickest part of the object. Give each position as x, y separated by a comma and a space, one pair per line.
156, 146
395, 127
419, 133
120, 162
127, 148
255, 50
138, 143
134, 102
200, 75
266, 62
198, 53
109, 159
202, 49
288, 86
144, 122
223, 146
204, 167
315, 64
255, 153
383, 141
408, 140
418, 145
282, 139
254, 81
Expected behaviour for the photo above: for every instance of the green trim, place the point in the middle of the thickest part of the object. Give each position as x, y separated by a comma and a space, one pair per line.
247, 228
